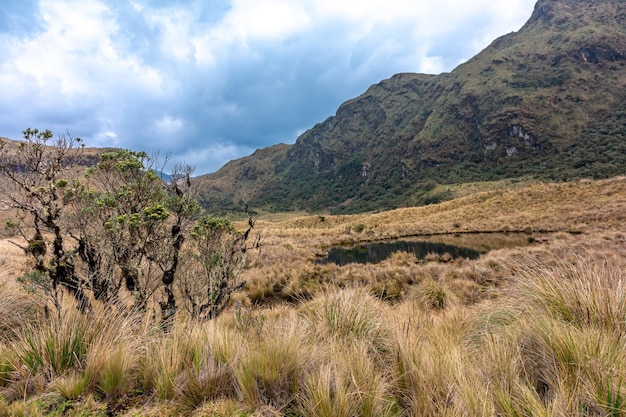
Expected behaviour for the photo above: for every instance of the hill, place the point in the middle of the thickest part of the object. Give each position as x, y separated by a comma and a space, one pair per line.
546, 102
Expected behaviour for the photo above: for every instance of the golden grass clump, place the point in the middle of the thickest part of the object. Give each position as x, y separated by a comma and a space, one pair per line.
556, 348
271, 367
347, 383
350, 317
435, 295
189, 365
579, 288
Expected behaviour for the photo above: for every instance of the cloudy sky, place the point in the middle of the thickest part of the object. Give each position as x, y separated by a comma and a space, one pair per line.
213, 80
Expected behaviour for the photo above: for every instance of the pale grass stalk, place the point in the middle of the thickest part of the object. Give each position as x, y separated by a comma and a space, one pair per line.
369, 386
207, 373
204, 380
326, 393
429, 359
500, 383
160, 409
605, 378
118, 370
346, 381
525, 403
587, 365
556, 347
20, 409
4, 407
5, 365
435, 295
166, 357
586, 290
224, 341
221, 407
17, 309
192, 364
472, 397
424, 379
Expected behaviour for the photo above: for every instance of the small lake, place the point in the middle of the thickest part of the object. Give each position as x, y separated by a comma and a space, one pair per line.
469, 246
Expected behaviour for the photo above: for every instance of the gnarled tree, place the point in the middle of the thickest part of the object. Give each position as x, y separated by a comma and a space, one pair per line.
132, 226
217, 253
36, 185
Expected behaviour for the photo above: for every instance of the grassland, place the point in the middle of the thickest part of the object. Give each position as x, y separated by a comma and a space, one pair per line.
531, 330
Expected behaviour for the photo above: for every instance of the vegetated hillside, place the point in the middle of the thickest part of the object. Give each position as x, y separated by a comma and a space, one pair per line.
238, 181
86, 158
548, 102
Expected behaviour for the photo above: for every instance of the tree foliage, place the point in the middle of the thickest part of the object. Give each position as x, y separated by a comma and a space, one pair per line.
36, 185
121, 234
217, 253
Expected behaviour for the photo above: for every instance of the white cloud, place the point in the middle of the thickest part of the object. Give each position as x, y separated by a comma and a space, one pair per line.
76, 53
266, 19
212, 155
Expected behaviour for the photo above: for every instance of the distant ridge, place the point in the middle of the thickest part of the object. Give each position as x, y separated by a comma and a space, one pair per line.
548, 102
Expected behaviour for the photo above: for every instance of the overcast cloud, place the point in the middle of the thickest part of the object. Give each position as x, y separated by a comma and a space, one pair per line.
213, 80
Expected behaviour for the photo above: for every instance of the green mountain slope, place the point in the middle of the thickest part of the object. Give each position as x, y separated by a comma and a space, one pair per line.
548, 101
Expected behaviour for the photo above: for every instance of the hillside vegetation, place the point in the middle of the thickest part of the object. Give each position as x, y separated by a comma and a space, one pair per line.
547, 102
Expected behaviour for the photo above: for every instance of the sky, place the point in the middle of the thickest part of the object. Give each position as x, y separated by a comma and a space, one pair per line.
208, 81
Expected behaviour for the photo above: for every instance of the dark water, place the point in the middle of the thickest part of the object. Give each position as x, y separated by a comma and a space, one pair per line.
455, 246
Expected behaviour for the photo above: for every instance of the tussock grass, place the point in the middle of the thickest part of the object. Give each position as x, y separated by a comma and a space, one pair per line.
112, 362
54, 349
71, 386
579, 289
557, 348
271, 367
434, 295
348, 316
545, 346
348, 383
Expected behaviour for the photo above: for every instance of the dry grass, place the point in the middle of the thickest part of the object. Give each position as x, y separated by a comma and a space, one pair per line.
581, 207
534, 330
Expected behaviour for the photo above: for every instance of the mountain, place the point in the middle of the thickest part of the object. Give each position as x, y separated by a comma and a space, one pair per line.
547, 102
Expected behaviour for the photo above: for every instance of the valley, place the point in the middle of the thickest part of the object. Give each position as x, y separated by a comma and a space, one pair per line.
506, 332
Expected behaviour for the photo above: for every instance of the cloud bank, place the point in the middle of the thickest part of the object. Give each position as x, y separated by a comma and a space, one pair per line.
210, 81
